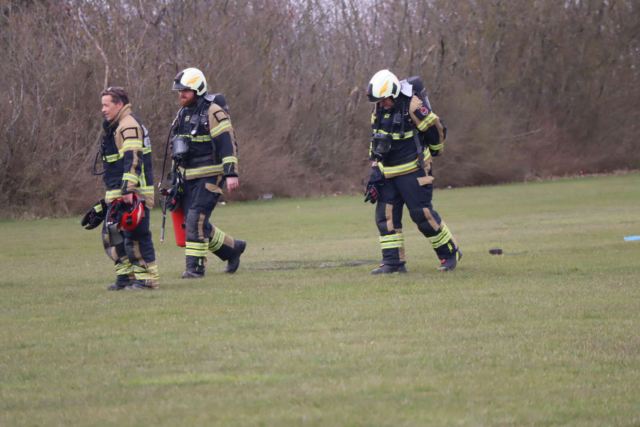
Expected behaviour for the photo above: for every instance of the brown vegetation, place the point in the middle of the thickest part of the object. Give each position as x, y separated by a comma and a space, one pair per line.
527, 88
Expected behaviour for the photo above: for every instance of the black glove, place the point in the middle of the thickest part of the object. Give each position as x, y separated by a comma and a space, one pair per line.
94, 216
173, 197
372, 191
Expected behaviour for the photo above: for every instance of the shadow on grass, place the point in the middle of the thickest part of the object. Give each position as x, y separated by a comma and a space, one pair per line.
305, 265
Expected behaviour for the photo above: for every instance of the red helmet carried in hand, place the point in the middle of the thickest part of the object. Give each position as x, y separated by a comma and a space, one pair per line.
126, 216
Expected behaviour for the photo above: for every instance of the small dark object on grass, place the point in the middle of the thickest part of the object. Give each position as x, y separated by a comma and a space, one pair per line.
495, 251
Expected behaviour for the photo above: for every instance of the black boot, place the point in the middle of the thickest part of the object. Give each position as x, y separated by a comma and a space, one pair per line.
192, 275
386, 269
234, 261
118, 285
449, 263
138, 285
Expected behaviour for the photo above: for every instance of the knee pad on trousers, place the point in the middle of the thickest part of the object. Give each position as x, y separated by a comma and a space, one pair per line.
192, 221
425, 221
384, 219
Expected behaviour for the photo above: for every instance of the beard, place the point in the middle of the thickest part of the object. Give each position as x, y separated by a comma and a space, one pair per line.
185, 102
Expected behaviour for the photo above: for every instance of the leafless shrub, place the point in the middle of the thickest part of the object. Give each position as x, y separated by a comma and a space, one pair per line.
527, 88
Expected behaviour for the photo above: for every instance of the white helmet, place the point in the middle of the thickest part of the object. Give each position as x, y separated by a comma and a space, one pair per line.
382, 85
191, 79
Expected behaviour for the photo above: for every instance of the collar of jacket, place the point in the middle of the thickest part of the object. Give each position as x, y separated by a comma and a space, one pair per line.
193, 108
124, 112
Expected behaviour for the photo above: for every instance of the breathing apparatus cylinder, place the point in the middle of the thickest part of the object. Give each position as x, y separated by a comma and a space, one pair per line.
381, 145
179, 227
179, 147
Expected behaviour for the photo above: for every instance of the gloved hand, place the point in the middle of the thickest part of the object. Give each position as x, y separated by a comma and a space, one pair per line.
172, 199
372, 191
94, 216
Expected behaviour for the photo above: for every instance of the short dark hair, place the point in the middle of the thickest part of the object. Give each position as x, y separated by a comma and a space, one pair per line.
118, 94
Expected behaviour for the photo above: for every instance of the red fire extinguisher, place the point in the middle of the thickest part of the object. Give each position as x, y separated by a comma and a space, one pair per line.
179, 227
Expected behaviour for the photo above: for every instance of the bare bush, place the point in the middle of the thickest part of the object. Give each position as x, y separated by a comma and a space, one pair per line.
527, 88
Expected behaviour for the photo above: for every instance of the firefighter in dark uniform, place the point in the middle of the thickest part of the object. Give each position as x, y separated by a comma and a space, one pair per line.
406, 137
205, 128
126, 157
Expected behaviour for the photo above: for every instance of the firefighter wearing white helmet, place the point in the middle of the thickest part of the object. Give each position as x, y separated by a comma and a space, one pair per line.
205, 149
191, 79
407, 134
383, 84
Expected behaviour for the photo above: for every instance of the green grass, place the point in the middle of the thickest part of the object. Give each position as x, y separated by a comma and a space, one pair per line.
548, 337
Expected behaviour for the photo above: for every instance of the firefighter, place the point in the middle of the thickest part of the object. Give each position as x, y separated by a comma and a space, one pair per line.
205, 146
126, 157
406, 137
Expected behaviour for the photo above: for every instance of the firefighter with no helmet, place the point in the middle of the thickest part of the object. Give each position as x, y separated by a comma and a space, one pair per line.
406, 136
128, 176
205, 149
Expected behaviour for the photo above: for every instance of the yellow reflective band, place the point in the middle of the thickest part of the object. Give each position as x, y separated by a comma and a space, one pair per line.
391, 237
110, 196
199, 254
427, 121
202, 138
441, 239
146, 150
196, 249
123, 270
392, 245
393, 170
147, 276
397, 135
439, 236
373, 118
436, 147
130, 177
145, 190
124, 267
196, 245
220, 128
113, 157
98, 208
132, 143
392, 241
217, 240
203, 170
388, 170
230, 159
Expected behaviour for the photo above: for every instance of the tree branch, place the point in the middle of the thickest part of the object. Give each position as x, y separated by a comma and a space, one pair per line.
93, 39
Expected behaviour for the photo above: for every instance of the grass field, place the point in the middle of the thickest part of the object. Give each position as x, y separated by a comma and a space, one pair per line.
550, 336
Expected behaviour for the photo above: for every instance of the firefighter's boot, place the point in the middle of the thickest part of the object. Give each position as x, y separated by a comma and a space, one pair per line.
192, 275
196, 266
234, 262
121, 282
118, 286
451, 261
387, 269
139, 285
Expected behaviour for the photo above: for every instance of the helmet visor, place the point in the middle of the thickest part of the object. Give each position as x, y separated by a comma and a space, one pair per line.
176, 82
179, 86
370, 94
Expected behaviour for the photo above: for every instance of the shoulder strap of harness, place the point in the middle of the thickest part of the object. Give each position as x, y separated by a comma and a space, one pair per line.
405, 105
201, 112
